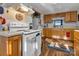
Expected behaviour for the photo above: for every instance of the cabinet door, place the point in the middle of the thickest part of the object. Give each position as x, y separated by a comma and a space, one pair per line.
76, 43
48, 32
14, 46
73, 16
3, 46
44, 32
47, 18
76, 51
67, 17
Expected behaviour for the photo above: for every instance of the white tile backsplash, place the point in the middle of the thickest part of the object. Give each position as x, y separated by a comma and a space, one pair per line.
66, 24
70, 24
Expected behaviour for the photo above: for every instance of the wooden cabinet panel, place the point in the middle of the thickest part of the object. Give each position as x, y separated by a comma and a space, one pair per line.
50, 32
76, 34
69, 16
10, 46
73, 16
47, 18
15, 44
76, 43
77, 52
47, 32
3, 47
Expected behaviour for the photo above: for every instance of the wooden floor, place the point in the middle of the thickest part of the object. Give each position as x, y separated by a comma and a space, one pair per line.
45, 51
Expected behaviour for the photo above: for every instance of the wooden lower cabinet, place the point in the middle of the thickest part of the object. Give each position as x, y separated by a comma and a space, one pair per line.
47, 32
10, 46
50, 32
76, 43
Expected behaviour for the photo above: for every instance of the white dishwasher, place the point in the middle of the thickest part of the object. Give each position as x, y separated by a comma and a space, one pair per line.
32, 43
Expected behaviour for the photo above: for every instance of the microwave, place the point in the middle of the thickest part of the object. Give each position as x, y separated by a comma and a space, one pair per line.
58, 22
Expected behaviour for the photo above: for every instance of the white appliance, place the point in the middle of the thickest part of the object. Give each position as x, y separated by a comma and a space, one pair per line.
31, 39
32, 43
58, 22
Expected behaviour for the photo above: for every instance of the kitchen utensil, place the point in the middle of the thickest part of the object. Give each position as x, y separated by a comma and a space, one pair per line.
1, 10
1, 27
57, 45
52, 44
67, 47
2, 20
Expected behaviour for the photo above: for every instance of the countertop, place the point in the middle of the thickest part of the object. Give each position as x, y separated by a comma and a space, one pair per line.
76, 30
31, 31
64, 28
12, 33
8, 34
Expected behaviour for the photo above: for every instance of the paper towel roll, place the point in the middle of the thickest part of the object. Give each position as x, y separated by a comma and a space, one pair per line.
13, 14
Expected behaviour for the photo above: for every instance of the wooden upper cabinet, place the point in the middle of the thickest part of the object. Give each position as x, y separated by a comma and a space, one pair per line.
47, 18
74, 16
67, 17
71, 16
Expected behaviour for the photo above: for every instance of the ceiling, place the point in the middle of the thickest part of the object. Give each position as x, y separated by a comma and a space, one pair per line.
49, 8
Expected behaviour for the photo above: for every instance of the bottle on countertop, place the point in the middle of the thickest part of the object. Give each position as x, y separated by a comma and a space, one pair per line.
5, 28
